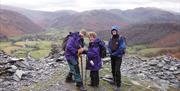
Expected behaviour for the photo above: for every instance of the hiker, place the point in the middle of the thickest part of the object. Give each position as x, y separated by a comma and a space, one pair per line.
74, 47
94, 62
116, 49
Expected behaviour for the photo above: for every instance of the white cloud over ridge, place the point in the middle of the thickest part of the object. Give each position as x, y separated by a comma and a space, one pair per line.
82, 5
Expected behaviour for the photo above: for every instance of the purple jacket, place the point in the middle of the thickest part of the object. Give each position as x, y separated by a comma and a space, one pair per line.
73, 44
94, 55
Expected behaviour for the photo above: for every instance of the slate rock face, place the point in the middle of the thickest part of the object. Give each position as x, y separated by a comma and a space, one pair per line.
18, 72
163, 68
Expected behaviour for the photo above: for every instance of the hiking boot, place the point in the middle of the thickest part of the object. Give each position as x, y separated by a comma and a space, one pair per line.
112, 83
81, 88
117, 89
69, 78
79, 84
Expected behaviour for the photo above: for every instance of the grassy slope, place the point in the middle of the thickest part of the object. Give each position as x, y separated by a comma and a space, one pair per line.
37, 49
151, 52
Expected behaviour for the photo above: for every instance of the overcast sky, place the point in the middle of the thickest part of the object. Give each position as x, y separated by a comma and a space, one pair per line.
82, 5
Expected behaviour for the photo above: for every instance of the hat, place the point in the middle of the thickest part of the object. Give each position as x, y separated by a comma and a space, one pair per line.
115, 27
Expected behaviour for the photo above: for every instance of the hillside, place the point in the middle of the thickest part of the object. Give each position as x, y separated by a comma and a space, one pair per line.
13, 23
156, 34
140, 26
96, 20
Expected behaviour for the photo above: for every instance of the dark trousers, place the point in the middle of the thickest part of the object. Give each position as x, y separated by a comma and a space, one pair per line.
94, 78
75, 71
116, 72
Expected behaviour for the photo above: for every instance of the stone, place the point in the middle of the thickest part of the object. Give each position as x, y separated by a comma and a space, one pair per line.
61, 58
1, 80
166, 67
17, 59
18, 74
176, 72
173, 68
135, 83
106, 59
160, 65
23, 64
13, 68
153, 62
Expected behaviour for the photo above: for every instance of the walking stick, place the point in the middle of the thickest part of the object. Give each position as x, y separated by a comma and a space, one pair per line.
81, 64
81, 67
86, 71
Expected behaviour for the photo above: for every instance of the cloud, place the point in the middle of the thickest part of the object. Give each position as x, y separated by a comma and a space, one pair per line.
81, 5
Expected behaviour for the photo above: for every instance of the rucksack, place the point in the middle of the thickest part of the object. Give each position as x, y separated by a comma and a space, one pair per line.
103, 51
64, 43
122, 37
102, 48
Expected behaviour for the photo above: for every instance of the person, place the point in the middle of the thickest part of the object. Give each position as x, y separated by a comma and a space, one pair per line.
74, 46
94, 62
116, 49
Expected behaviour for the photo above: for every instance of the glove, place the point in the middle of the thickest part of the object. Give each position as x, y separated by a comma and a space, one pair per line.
92, 63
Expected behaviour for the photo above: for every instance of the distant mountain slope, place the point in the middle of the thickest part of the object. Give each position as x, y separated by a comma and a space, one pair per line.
141, 25
96, 20
99, 20
13, 23
156, 34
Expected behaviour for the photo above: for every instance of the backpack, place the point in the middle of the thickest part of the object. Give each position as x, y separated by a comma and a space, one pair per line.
102, 48
64, 43
103, 51
122, 37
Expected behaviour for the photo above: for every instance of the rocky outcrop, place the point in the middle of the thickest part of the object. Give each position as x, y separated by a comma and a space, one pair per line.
18, 72
56, 53
164, 68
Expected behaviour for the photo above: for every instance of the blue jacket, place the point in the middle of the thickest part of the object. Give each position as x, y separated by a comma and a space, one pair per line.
73, 44
122, 46
94, 55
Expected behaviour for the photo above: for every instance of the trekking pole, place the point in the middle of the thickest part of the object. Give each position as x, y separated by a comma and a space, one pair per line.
80, 60
86, 71
82, 67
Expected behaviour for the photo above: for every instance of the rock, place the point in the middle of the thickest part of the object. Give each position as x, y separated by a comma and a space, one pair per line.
18, 74
166, 67
23, 64
107, 59
173, 68
167, 60
160, 74
13, 68
60, 59
17, 59
135, 83
176, 72
1, 80
160, 65
153, 62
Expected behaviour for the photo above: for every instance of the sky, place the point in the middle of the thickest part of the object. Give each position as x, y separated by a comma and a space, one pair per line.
83, 5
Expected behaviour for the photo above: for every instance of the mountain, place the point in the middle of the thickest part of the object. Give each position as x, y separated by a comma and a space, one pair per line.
153, 34
13, 23
96, 20
99, 20
140, 26
38, 17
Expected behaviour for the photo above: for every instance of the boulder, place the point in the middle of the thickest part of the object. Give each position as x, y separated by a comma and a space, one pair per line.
18, 74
